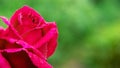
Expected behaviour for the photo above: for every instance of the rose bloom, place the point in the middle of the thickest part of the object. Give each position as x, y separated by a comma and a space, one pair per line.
28, 41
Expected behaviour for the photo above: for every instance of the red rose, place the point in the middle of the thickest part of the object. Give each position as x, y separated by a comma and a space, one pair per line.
28, 41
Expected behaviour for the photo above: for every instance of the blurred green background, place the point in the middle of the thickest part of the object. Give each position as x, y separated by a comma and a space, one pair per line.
89, 30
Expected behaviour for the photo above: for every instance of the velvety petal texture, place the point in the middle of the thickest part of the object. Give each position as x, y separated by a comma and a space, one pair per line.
28, 40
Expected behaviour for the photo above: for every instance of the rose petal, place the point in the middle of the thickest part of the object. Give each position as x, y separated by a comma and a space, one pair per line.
18, 59
23, 58
40, 63
5, 20
8, 44
9, 32
32, 36
47, 44
25, 19
1, 31
52, 44
49, 39
3, 62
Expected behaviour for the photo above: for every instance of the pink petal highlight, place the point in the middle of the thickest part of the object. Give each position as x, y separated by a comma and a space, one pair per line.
5, 20
3, 62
